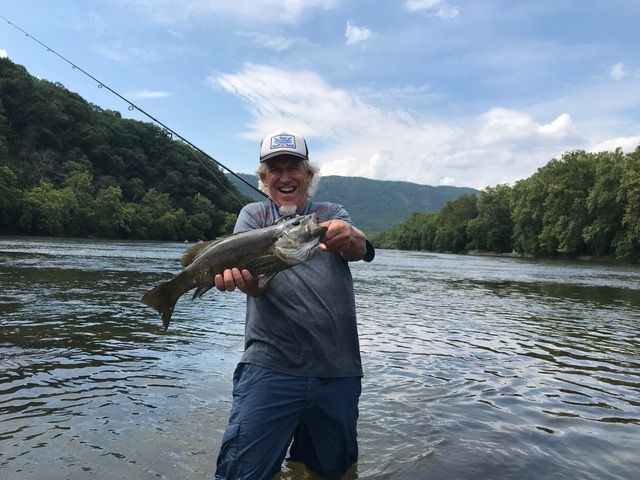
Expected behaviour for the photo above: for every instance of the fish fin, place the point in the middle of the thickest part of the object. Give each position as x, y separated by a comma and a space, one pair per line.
164, 297
193, 252
264, 279
265, 262
201, 291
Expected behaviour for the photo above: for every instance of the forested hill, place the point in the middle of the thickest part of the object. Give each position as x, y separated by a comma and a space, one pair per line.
375, 205
70, 168
580, 204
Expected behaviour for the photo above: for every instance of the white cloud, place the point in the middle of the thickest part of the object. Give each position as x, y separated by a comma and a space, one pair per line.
445, 12
268, 11
272, 42
627, 144
144, 94
351, 137
616, 72
505, 126
419, 5
355, 34
440, 8
447, 181
3, 53
118, 52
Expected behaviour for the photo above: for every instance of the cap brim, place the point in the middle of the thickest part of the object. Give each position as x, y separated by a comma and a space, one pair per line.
283, 154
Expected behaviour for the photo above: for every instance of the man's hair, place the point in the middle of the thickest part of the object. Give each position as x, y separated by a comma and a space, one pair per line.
307, 166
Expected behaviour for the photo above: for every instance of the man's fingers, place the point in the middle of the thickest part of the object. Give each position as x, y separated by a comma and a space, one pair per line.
229, 281
219, 282
238, 279
233, 278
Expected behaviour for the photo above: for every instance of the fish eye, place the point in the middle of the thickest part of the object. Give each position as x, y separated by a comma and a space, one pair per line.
296, 222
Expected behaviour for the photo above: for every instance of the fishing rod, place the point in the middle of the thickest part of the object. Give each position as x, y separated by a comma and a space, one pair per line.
169, 132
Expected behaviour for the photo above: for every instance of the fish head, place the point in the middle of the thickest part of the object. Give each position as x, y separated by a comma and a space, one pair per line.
298, 238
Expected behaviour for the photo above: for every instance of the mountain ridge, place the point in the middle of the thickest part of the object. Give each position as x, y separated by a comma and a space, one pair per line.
374, 205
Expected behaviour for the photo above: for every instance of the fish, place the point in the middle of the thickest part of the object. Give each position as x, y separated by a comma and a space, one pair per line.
263, 251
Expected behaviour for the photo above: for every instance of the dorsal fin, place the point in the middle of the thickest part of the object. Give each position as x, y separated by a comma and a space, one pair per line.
192, 253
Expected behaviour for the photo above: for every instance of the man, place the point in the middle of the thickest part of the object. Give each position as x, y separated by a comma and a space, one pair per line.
299, 377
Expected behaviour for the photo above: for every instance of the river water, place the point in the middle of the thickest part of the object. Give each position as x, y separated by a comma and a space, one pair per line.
475, 367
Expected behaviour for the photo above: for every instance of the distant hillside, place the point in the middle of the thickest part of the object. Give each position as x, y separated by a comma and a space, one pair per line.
374, 205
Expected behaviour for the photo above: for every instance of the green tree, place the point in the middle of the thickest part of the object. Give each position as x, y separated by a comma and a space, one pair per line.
568, 182
627, 241
492, 229
603, 203
5, 132
527, 212
78, 178
454, 218
10, 199
108, 215
47, 210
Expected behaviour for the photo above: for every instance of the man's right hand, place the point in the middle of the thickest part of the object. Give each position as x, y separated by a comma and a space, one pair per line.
233, 278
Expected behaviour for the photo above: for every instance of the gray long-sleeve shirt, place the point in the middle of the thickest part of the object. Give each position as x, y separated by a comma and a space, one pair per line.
304, 323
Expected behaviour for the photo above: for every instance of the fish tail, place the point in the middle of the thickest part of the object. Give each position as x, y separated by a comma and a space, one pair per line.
163, 298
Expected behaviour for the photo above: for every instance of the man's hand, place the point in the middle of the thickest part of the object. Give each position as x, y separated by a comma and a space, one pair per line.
233, 278
343, 238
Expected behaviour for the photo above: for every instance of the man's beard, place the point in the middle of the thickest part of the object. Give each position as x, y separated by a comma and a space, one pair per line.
288, 210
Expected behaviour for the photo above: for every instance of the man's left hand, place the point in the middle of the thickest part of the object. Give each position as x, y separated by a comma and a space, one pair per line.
343, 238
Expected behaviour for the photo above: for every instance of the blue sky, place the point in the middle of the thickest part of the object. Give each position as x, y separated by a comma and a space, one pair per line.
439, 92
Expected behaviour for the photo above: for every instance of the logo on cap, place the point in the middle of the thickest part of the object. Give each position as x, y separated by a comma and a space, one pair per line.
283, 141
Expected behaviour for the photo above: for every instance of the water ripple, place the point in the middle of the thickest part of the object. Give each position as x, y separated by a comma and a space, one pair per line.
474, 367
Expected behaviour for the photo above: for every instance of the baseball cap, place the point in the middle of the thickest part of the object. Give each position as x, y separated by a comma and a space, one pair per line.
283, 143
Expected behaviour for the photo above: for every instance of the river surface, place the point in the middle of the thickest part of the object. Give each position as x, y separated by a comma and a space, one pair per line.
475, 367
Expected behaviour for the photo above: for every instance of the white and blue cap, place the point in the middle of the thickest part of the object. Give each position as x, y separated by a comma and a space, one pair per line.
283, 143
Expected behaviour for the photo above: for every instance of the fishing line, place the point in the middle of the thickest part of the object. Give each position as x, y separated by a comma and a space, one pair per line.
168, 132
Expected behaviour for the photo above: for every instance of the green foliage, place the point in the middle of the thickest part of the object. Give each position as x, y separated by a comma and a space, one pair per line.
582, 203
10, 198
453, 223
567, 184
444, 231
526, 213
69, 168
492, 229
47, 210
627, 241
604, 205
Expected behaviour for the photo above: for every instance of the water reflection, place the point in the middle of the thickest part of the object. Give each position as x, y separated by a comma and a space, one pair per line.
474, 367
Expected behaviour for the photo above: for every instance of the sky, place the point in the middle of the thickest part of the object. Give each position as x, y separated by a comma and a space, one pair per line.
469, 93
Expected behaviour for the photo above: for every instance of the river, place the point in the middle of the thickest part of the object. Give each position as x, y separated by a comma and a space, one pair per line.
475, 367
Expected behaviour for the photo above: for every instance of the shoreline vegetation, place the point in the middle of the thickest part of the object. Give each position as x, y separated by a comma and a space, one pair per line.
68, 168
582, 205
604, 259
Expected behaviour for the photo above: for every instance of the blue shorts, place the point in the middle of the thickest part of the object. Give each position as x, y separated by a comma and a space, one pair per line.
270, 409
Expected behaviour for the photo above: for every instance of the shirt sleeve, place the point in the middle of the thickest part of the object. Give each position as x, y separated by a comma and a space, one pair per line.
250, 217
332, 211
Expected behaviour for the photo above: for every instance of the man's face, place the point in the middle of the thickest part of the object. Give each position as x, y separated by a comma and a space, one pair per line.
287, 181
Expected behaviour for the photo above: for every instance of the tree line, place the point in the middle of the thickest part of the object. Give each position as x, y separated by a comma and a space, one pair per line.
70, 168
580, 204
